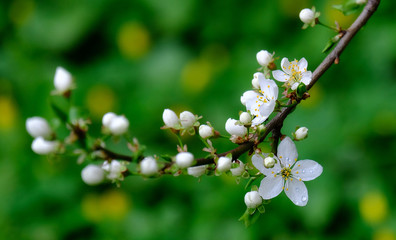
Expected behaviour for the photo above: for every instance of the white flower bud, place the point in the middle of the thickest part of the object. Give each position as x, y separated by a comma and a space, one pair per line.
245, 118
92, 174
223, 164
234, 129
307, 16
205, 131
184, 159
107, 118
247, 96
170, 118
63, 80
253, 199
238, 170
38, 127
187, 119
119, 125
264, 58
148, 166
44, 147
301, 133
196, 171
269, 162
114, 169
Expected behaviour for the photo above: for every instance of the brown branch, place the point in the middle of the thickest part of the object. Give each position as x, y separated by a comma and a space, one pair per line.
333, 57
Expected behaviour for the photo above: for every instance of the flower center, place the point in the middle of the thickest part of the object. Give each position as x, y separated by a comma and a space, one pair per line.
286, 173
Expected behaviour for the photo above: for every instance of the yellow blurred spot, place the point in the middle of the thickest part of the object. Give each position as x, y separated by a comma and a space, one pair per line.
384, 234
113, 205
8, 113
196, 75
292, 8
384, 123
100, 100
333, 15
316, 95
20, 11
373, 207
133, 40
90, 208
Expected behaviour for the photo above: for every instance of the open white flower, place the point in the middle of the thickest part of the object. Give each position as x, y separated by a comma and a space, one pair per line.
293, 73
264, 103
288, 174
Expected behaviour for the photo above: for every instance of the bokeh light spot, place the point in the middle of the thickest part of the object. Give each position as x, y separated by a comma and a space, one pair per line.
100, 100
373, 207
384, 234
196, 75
133, 40
115, 204
8, 113
316, 95
331, 14
20, 11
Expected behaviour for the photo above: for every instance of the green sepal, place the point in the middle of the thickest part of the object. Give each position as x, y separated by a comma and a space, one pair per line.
261, 209
166, 157
349, 7
248, 218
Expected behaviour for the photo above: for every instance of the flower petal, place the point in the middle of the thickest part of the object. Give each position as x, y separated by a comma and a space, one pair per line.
258, 120
286, 66
294, 86
287, 152
307, 170
271, 186
280, 76
258, 162
296, 191
267, 109
302, 65
306, 81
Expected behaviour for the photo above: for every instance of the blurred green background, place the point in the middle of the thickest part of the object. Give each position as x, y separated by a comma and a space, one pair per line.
139, 57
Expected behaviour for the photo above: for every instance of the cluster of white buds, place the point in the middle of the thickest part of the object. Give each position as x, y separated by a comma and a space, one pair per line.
148, 166
63, 80
114, 170
39, 128
185, 122
115, 124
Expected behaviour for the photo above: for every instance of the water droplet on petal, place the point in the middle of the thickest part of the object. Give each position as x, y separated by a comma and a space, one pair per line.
304, 199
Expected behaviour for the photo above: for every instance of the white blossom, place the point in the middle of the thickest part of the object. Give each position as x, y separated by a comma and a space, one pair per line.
92, 174
264, 103
293, 73
113, 169
301, 133
223, 164
234, 129
248, 95
307, 16
245, 118
63, 80
170, 118
196, 171
253, 199
264, 58
238, 170
255, 81
148, 166
288, 174
119, 125
187, 119
205, 131
38, 127
44, 147
184, 159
